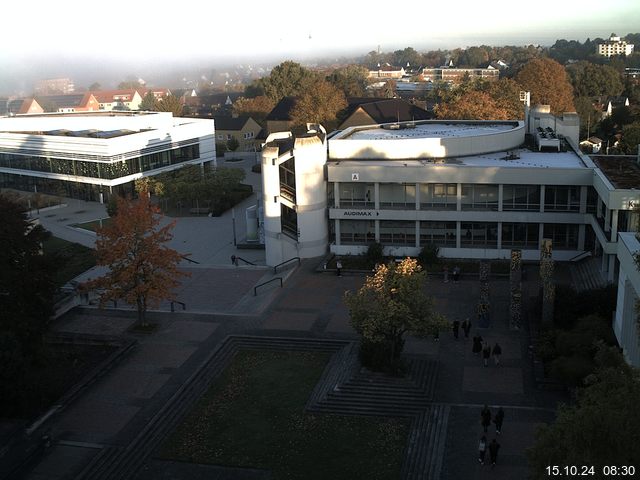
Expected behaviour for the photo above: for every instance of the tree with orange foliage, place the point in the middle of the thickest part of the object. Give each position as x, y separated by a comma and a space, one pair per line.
143, 271
548, 83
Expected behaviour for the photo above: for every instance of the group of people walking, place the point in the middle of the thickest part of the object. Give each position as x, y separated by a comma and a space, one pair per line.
480, 346
466, 328
494, 446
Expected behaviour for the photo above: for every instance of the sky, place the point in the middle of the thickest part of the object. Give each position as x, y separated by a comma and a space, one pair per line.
106, 41
150, 31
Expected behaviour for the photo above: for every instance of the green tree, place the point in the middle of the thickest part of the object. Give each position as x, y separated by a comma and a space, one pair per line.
130, 84
601, 428
319, 104
407, 55
170, 103
589, 116
474, 57
94, 87
232, 144
391, 303
287, 79
482, 100
591, 80
26, 286
548, 83
256, 107
630, 138
148, 103
142, 270
352, 80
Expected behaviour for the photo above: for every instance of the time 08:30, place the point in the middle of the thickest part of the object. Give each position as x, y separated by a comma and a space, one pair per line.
588, 470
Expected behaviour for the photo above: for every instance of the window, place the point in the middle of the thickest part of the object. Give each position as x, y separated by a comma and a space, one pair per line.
398, 232
398, 195
220, 136
354, 194
479, 197
357, 232
562, 198
438, 196
520, 235
441, 234
564, 236
521, 197
289, 221
229, 136
479, 235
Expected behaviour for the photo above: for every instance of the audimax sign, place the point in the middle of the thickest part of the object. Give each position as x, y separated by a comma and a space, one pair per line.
360, 213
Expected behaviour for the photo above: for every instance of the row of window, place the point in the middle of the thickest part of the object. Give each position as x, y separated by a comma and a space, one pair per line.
443, 196
108, 171
246, 136
443, 234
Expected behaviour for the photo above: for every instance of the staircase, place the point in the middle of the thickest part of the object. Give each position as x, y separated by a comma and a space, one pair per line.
425, 447
586, 275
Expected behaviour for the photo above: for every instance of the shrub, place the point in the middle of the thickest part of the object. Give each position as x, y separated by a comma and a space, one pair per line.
375, 253
375, 356
257, 168
429, 255
572, 370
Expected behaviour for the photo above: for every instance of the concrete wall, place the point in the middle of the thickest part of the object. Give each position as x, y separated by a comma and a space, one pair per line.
625, 323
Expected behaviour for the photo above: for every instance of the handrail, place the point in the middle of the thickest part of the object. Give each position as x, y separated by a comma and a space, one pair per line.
255, 289
184, 257
245, 261
275, 269
580, 256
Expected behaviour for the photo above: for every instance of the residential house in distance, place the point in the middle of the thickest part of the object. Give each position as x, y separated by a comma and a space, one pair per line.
387, 71
158, 93
633, 75
279, 119
373, 111
243, 128
19, 106
455, 75
614, 46
118, 99
212, 104
591, 145
54, 86
81, 102
611, 103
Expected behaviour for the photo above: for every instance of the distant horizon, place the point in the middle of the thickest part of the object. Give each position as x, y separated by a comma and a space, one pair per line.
151, 42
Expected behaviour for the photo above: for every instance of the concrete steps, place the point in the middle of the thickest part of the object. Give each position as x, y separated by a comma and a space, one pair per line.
425, 446
586, 275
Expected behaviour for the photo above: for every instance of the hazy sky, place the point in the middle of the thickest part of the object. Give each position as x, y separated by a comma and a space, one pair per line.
150, 31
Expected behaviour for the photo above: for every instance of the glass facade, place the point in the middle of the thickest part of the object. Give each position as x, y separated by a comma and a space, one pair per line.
562, 198
521, 197
357, 232
479, 197
103, 170
564, 236
398, 195
438, 196
479, 235
398, 232
520, 235
354, 194
441, 234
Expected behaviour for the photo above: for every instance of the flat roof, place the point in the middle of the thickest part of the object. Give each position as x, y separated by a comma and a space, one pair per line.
428, 129
517, 158
621, 170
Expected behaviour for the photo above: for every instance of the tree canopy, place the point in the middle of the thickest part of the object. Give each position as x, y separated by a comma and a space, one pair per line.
601, 428
319, 104
148, 103
257, 107
392, 302
352, 80
591, 80
170, 103
482, 100
142, 270
548, 83
26, 286
286, 79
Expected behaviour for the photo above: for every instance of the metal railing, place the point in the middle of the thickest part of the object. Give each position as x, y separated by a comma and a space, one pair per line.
255, 289
182, 304
184, 257
245, 261
275, 269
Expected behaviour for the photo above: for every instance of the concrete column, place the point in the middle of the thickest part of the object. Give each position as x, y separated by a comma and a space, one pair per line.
540, 234
458, 229
336, 194
581, 236
376, 192
612, 268
542, 190
614, 225
500, 198
458, 197
607, 220
599, 208
418, 233
337, 231
583, 199
377, 223
417, 202
500, 227
604, 263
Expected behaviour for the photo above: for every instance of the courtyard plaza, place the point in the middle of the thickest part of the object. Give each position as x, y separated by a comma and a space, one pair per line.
117, 410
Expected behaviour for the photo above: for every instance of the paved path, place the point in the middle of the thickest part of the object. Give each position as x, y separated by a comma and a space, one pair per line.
117, 407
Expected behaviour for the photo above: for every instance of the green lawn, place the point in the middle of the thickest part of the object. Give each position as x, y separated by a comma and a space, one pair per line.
254, 417
70, 259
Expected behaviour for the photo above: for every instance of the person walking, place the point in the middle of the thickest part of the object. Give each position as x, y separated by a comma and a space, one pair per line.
456, 274
486, 353
493, 452
456, 329
498, 419
485, 418
339, 268
496, 352
477, 345
482, 449
466, 327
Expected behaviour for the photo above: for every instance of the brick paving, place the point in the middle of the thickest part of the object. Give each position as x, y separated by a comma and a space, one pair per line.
118, 407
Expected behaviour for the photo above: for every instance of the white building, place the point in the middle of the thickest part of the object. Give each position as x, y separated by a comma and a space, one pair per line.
625, 324
615, 46
84, 155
